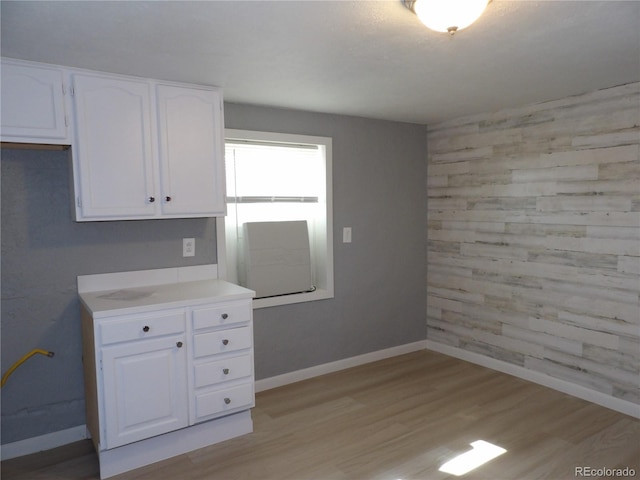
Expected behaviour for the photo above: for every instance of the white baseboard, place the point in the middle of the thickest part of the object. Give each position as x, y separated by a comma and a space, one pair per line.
306, 373
599, 398
145, 452
63, 437
43, 442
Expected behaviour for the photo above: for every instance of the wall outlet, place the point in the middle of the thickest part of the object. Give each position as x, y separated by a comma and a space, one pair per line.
188, 247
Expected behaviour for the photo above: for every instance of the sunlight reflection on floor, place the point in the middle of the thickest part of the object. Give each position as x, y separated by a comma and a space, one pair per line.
481, 453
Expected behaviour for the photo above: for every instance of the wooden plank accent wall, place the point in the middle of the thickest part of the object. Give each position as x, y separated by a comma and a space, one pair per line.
534, 238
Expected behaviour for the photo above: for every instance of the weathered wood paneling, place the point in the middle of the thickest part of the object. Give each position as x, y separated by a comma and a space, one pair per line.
534, 238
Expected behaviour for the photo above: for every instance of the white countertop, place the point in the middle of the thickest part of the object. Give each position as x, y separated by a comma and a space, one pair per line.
139, 297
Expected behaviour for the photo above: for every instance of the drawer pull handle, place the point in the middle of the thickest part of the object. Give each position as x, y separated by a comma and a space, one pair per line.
146, 328
227, 400
152, 199
225, 371
179, 344
167, 198
225, 342
225, 316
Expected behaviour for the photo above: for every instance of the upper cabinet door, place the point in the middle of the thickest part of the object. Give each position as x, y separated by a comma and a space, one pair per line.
190, 128
114, 148
33, 105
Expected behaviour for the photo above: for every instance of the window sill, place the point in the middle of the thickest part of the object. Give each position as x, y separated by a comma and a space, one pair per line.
319, 294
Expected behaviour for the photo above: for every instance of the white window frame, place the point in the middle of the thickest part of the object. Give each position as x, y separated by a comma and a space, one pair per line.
322, 254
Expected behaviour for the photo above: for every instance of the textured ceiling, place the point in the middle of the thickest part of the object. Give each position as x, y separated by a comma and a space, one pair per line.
365, 58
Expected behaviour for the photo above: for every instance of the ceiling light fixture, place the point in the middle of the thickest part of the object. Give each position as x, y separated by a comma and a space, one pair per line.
447, 16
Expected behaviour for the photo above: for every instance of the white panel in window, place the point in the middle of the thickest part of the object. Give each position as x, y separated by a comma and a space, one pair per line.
276, 258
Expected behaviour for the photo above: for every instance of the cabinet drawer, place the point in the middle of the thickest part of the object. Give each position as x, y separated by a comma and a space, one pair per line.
221, 341
138, 328
225, 370
220, 402
221, 315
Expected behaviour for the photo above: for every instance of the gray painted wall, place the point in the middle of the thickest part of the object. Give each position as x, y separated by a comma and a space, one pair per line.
379, 177
43, 251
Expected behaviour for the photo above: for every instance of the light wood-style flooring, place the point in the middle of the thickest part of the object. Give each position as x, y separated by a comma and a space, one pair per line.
399, 418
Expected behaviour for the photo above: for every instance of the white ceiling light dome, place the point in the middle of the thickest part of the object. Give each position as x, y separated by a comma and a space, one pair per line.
447, 16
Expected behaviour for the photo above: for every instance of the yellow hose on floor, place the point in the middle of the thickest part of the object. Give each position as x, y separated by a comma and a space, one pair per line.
5, 377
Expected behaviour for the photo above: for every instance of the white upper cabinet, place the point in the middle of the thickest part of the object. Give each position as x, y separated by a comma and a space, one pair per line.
33, 104
190, 141
114, 155
145, 149
141, 148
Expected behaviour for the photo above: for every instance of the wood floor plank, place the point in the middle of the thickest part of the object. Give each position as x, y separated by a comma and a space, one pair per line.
399, 418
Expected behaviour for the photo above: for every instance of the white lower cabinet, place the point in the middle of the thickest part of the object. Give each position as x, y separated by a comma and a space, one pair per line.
166, 381
145, 389
222, 360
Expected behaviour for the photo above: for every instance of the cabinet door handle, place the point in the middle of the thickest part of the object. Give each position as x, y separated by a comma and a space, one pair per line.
227, 400
146, 328
179, 344
152, 199
225, 316
225, 371
167, 198
225, 342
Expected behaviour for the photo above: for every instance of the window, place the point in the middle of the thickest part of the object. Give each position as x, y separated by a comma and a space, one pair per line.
275, 177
